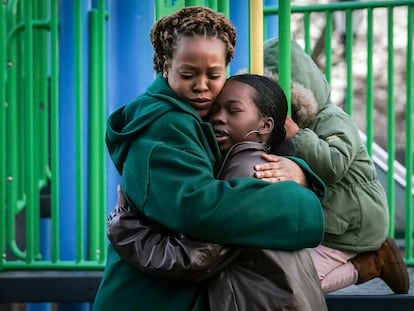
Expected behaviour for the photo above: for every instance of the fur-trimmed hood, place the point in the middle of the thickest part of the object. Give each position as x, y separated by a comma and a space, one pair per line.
310, 91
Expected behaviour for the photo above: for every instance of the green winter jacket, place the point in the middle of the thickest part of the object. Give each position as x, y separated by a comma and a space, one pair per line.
355, 207
166, 154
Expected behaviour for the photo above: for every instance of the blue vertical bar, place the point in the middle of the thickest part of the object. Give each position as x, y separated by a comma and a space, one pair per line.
66, 129
67, 117
239, 15
272, 22
129, 63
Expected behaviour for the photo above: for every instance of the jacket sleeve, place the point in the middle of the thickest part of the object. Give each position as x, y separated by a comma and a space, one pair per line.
163, 253
170, 179
330, 146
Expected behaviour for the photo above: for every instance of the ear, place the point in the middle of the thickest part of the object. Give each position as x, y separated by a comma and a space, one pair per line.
165, 67
268, 125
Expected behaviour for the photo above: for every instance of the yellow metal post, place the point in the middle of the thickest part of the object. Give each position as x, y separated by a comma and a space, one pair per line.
256, 36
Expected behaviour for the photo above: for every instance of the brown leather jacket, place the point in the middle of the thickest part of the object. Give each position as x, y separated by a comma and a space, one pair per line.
236, 278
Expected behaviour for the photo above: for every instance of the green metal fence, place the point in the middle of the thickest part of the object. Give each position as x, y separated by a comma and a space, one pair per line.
29, 122
29, 163
25, 112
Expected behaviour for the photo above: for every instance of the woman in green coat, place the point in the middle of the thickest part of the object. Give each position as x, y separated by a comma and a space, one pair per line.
166, 153
248, 118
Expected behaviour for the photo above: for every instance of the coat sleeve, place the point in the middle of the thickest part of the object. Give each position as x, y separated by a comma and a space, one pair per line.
163, 253
170, 178
330, 146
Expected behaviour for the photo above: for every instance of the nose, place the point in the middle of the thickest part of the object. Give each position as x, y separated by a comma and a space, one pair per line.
201, 85
217, 116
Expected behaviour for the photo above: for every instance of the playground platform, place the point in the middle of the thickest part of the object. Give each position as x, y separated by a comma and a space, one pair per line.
81, 286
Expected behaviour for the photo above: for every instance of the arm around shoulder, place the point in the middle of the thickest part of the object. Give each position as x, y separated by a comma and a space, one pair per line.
162, 253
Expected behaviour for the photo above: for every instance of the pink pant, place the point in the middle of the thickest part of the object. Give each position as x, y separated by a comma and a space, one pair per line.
335, 270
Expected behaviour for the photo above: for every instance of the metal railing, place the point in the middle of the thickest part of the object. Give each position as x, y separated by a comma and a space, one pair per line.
35, 218
31, 213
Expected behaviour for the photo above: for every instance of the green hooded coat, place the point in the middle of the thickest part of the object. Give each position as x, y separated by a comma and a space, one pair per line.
355, 207
166, 154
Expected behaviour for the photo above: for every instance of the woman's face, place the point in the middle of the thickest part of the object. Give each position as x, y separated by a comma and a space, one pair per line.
234, 115
197, 72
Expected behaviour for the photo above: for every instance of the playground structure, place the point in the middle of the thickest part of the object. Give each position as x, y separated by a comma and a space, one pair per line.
65, 65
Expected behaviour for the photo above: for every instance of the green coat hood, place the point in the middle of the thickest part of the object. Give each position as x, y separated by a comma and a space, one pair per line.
127, 122
310, 90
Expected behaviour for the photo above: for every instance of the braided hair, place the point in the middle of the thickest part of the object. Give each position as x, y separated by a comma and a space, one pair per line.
189, 22
270, 101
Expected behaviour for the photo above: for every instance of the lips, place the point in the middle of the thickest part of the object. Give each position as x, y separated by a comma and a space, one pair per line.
201, 101
221, 135
201, 105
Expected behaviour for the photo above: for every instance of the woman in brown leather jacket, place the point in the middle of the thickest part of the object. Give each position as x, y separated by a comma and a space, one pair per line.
249, 114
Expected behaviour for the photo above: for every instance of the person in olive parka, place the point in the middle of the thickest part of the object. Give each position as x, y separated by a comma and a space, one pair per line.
355, 247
